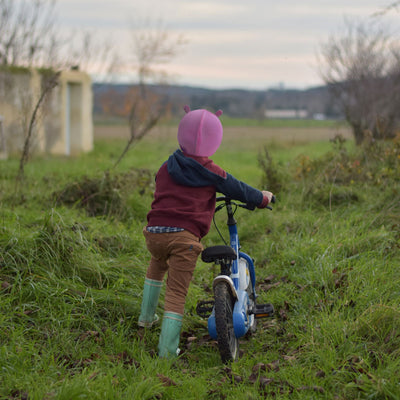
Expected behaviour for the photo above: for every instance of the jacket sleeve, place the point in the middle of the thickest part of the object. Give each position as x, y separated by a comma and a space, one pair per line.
238, 190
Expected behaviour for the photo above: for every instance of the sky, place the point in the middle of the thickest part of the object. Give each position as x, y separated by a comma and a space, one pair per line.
254, 44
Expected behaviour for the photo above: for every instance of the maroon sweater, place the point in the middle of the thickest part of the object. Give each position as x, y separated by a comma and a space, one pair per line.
186, 189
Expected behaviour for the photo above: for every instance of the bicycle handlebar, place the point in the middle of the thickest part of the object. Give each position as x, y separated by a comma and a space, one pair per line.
250, 207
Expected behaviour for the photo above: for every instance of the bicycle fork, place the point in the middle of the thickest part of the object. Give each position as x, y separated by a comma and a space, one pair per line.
245, 309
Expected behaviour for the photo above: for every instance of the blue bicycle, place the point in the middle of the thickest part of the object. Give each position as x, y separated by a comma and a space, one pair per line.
234, 309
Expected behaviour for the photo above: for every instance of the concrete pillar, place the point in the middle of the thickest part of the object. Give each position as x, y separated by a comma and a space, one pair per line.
3, 148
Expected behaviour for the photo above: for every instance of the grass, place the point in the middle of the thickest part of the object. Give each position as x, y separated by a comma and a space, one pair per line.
278, 123
242, 122
327, 256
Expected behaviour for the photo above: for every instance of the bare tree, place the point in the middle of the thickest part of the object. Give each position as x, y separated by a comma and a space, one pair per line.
361, 68
390, 7
153, 45
49, 85
145, 112
29, 37
27, 32
85, 52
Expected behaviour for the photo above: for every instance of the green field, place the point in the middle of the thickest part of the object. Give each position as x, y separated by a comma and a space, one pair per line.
73, 260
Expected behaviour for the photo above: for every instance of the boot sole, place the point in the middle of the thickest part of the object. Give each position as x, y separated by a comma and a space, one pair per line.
143, 324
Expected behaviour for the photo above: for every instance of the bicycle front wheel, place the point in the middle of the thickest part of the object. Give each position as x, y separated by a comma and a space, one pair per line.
228, 343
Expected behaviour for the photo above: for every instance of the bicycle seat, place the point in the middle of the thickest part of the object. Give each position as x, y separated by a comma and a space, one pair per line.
214, 253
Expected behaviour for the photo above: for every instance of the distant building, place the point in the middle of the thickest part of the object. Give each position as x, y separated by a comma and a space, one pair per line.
64, 125
286, 114
319, 116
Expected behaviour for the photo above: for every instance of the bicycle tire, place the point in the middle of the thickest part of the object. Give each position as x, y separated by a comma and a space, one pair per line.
228, 344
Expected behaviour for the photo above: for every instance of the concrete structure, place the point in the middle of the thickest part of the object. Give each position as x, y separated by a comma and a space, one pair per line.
64, 123
3, 149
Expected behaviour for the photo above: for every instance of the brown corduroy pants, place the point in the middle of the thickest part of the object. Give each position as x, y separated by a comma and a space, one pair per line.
177, 253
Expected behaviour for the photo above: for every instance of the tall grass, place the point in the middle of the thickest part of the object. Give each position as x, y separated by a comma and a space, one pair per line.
327, 256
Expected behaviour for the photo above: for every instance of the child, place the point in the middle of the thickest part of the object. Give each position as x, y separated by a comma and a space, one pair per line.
180, 215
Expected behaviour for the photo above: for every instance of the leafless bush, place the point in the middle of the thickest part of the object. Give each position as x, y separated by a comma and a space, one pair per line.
27, 32
152, 45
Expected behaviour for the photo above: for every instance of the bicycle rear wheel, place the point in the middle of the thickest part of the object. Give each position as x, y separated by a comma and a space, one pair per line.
228, 343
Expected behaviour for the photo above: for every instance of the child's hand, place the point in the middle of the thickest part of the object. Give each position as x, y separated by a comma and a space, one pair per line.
268, 194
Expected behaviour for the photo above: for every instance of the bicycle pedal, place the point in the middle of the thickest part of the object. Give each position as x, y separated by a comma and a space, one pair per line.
263, 310
204, 308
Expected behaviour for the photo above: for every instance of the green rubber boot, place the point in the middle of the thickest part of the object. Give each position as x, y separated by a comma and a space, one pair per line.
170, 333
151, 292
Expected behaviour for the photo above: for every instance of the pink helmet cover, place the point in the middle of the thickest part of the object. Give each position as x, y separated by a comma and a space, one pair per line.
200, 132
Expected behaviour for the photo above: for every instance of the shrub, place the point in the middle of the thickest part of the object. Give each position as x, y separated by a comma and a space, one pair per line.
375, 162
274, 177
338, 176
106, 195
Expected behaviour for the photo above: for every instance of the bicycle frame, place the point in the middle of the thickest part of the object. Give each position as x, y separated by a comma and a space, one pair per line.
243, 317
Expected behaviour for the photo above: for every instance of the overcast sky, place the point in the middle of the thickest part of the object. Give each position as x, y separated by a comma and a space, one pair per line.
231, 43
